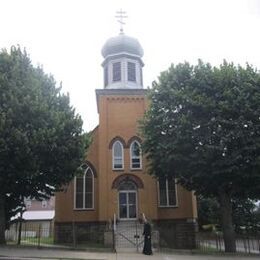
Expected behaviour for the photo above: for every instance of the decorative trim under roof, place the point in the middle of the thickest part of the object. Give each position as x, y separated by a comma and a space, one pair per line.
119, 92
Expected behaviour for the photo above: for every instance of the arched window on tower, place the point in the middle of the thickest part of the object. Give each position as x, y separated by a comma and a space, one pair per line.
116, 71
118, 156
84, 190
131, 71
136, 155
106, 76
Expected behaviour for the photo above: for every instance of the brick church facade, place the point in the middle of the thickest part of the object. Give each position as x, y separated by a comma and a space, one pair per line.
115, 183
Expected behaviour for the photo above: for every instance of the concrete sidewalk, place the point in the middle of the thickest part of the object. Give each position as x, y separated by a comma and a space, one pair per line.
19, 253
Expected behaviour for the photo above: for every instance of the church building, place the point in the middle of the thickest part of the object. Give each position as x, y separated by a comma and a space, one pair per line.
115, 183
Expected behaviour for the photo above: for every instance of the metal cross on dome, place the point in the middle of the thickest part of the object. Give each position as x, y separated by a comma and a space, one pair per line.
120, 16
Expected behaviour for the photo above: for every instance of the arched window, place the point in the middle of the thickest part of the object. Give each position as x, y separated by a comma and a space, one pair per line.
116, 71
131, 71
136, 155
84, 190
118, 156
106, 76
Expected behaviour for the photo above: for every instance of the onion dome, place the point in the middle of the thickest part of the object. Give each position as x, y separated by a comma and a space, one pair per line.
122, 44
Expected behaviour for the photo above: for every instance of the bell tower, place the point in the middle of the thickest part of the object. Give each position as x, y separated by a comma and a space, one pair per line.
122, 61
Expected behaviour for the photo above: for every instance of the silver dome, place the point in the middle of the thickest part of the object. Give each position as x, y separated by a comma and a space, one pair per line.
122, 43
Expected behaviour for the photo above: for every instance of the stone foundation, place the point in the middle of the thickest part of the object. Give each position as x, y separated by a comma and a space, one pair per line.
80, 233
177, 234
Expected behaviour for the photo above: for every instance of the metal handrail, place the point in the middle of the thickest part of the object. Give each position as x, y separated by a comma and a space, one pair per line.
144, 218
114, 224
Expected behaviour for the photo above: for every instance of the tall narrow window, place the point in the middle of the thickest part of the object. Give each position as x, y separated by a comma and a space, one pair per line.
141, 77
106, 76
116, 71
167, 193
131, 73
135, 152
84, 190
118, 158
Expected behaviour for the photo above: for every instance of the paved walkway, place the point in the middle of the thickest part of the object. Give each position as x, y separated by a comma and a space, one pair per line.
15, 253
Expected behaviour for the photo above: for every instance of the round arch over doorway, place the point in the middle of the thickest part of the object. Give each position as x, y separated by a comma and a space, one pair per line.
126, 178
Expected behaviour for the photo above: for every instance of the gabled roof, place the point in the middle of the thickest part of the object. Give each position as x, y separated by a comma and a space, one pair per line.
37, 215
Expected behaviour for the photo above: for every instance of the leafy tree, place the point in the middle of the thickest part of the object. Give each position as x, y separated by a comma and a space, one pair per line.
203, 127
208, 211
41, 139
245, 216
244, 213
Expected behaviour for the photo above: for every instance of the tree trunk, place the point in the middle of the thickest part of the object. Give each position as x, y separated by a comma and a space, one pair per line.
2, 219
227, 224
20, 230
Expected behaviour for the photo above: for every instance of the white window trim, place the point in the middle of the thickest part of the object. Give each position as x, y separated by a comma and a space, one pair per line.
113, 157
135, 70
124, 72
167, 196
132, 157
112, 71
44, 204
28, 204
106, 75
136, 204
84, 189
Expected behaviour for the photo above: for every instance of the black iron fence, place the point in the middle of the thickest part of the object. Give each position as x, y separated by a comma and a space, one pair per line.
214, 242
104, 237
67, 236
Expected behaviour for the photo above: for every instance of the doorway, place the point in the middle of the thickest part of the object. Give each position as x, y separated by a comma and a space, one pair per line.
127, 200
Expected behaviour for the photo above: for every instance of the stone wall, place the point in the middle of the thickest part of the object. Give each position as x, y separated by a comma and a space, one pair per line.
80, 233
177, 234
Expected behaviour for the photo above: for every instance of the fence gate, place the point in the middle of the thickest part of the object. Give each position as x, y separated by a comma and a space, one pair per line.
128, 236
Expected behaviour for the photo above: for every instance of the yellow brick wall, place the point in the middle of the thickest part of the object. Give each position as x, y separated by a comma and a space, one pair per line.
119, 116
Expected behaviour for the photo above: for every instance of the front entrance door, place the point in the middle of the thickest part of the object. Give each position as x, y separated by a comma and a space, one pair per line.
127, 205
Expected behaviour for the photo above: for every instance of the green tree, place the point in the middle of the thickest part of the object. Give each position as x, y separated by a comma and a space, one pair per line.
208, 212
244, 214
41, 139
203, 127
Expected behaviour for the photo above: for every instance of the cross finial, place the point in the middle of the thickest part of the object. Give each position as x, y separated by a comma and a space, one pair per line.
121, 15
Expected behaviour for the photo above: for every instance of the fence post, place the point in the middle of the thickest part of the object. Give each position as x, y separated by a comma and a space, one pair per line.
216, 238
114, 240
258, 239
248, 242
73, 234
19, 231
39, 236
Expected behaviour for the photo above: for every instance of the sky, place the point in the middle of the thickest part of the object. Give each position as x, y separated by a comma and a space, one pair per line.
65, 37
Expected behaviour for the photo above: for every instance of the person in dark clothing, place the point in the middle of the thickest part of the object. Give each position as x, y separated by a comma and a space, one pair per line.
147, 250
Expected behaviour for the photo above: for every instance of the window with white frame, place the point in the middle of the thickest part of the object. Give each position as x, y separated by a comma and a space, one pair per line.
28, 203
136, 155
118, 156
106, 76
167, 193
131, 72
84, 190
116, 71
44, 204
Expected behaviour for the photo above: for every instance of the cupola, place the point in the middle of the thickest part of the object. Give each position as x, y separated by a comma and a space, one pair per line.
122, 63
